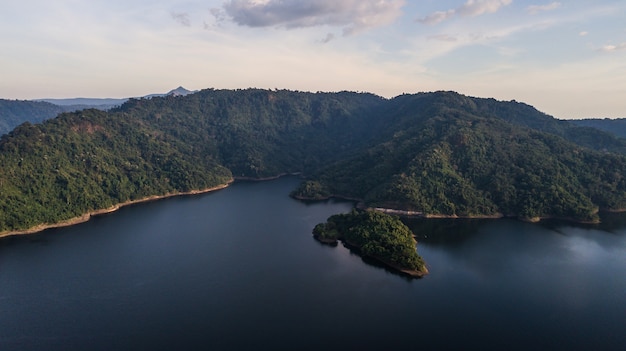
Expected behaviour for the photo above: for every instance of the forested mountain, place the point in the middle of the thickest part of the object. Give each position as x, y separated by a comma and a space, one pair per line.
436, 153
526, 115
108, 103
520, 114
260, 133
16, 112
91, 160
616, 126
447, 158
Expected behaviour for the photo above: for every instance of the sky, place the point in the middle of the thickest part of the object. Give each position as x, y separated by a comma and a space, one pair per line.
566, 58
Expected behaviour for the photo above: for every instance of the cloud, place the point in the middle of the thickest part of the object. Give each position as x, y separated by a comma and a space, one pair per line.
535, 9
328, 38
443, 37
479, 7
218, 14
613, 48
583, 33
471, 8
182, 18
437, 17
352, 15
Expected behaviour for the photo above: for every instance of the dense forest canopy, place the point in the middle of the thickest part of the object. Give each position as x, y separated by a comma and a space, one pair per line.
458, 163
376, 235
435, 153
16, 112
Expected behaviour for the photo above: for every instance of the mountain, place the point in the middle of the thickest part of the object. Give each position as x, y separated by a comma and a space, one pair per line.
449, 158
180, 91
100, 104
526, 115
16, 112
616, 126
439, 153
108, 103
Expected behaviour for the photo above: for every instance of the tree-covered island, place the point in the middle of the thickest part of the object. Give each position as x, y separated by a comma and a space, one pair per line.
377, 235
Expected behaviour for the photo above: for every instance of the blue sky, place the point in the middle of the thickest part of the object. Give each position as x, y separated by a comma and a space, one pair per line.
567, 58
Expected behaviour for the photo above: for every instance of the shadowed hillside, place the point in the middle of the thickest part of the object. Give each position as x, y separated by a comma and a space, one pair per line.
434, 153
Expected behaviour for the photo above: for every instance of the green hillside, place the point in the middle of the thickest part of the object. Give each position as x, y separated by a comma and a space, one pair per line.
16, 112
616, 126
92, 160
376, 235
445, 157
436, 153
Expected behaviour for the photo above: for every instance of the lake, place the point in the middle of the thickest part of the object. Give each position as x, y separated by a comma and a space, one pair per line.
238, 269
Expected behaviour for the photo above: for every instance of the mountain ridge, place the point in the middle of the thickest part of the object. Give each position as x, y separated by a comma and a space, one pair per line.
615, 126
439, 153
16, 112
111, 102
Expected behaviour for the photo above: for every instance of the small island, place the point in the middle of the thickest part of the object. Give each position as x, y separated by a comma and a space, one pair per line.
377, 235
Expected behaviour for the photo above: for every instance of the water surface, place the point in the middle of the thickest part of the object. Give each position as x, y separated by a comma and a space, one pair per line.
238, 269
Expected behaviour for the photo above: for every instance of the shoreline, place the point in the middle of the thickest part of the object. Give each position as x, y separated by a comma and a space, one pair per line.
412, 273
418, 214
87, 216
607, 210
252, 179
359, 202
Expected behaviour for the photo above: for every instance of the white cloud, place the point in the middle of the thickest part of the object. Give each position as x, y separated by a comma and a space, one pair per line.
471, 8
534, 9
479, 7
612, 48
583, 33
352, 15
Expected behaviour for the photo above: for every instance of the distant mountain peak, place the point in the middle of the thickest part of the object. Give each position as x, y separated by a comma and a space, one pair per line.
180, 91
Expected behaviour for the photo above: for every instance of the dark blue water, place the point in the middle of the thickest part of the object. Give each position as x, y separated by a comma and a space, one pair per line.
238, 269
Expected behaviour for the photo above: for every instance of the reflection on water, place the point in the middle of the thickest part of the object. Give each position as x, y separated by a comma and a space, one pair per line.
445, 232
239, 269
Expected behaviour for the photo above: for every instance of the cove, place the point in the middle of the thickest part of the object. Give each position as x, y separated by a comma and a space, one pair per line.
238, 269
